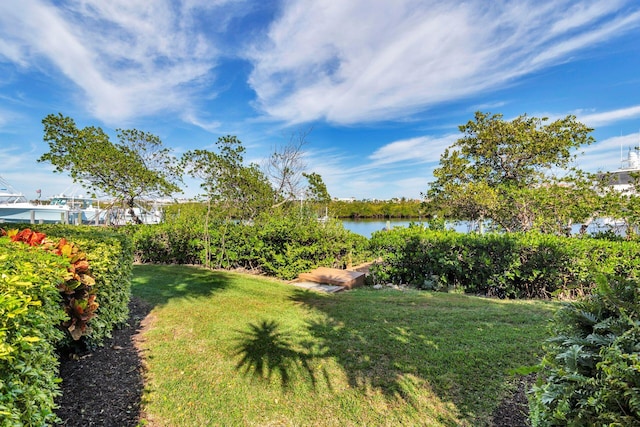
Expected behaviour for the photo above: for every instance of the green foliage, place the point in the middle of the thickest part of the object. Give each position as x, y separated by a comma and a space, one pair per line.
502, 171
281, 244
317, 190
395, 208
136, 166
30, 311
513, 265
110, 255
591, 371
291, 244
76, 288
233, 189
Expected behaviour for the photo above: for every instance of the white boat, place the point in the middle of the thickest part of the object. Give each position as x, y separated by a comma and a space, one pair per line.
122, 216
15, 208
87, 208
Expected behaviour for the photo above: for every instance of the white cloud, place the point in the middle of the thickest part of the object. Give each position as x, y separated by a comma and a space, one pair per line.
424, 149
210, 126
129, 57
366, 60
608, 117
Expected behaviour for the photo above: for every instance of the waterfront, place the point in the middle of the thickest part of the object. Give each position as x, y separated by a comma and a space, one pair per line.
366, 227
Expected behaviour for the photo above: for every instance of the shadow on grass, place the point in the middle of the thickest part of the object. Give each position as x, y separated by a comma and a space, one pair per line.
450, 362
266, 352
157, 284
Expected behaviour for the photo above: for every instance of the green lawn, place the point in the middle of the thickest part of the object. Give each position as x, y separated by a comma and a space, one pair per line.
231, 349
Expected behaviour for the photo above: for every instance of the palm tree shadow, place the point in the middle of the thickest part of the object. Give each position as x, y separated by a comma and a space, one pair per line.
265, 352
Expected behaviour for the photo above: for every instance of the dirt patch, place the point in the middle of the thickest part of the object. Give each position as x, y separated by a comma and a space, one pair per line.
513, 411
104, 387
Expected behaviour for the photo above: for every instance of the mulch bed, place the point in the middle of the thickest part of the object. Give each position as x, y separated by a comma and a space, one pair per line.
104, 387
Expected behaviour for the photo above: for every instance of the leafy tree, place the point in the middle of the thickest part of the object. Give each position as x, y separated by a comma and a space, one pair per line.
316, 190
136, 166
503, 171
232, 190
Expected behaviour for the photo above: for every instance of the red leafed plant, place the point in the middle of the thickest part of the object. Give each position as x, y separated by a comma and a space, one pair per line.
78, 294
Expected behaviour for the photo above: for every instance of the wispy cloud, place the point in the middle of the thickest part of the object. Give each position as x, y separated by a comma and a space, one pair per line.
609, 117
211, 126
424, 149
359, 61
129, 58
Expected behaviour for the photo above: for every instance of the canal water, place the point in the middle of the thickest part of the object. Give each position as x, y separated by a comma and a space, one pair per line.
366, 227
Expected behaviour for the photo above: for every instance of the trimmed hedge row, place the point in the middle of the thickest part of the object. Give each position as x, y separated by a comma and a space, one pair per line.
110, 255
30, 313
281, 246
505, 265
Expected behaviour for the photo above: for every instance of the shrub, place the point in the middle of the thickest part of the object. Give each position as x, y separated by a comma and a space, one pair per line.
591, 371
110, 255
30, 312
509, 265
281, 245
77, 285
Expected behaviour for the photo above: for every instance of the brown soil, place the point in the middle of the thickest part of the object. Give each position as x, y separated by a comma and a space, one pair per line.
104, 387
513, 411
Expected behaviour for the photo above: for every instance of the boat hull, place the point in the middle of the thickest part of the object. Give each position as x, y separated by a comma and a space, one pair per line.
36, 214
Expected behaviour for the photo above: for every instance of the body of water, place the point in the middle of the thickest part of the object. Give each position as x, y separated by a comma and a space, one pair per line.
366, 227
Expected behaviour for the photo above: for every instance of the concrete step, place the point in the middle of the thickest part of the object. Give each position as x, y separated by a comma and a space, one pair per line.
333, 276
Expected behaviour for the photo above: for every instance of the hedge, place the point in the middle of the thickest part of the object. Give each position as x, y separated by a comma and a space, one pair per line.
110, 255
30, 313
277, 245
509, 265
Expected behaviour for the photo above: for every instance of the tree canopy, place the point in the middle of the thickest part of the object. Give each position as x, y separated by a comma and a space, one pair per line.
136, 166
239, 191
508, 172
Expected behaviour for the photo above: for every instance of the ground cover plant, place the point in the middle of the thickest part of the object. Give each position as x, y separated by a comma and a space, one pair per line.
233, 349
591, 372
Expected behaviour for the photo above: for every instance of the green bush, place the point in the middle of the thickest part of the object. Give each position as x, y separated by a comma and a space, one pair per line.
165, 243
30, 313
289, 245
509, 265
282, 245
590, 374
110, 255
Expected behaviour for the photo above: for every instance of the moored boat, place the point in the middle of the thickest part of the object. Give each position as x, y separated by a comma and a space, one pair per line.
15, 208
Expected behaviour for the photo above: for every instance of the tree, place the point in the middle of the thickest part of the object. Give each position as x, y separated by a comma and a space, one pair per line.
316, 189
232, 190
137, 166
505, 172
240, 191
285, 167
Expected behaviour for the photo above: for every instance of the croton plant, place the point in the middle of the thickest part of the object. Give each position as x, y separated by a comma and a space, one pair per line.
76, 287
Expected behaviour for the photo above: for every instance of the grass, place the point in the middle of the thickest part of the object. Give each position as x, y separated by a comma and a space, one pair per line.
232, 349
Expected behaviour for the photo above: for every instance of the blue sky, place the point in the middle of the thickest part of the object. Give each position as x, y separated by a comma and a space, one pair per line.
382, 85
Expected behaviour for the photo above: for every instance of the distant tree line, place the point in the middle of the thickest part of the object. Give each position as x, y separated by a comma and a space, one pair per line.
377, 209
